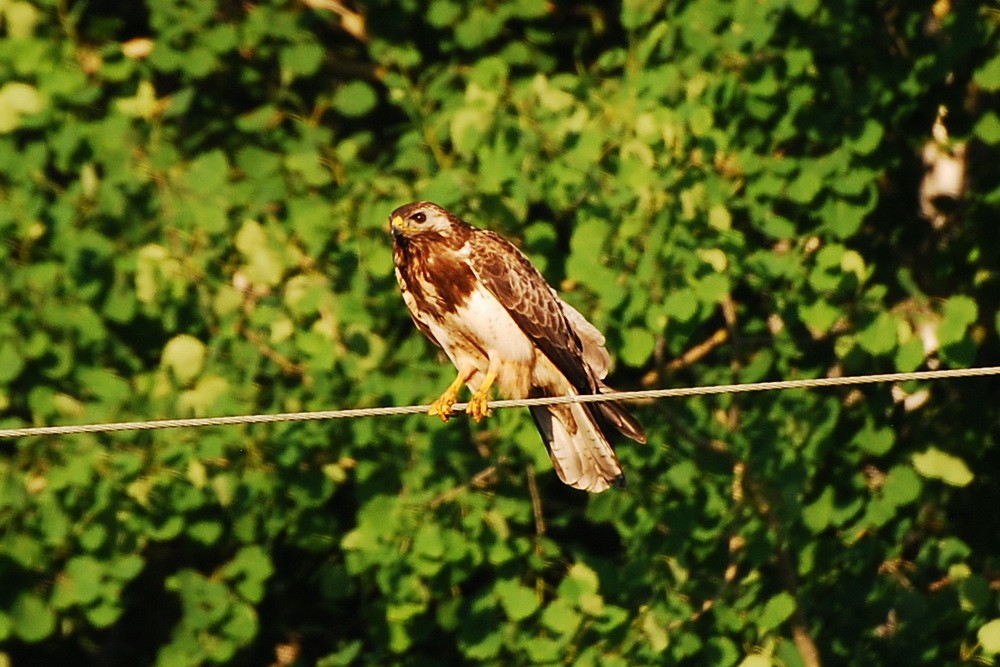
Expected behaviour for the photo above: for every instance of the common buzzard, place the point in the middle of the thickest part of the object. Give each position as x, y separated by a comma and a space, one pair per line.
479, 298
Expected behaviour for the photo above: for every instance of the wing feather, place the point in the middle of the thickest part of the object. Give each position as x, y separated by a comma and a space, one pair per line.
531, 302
594, 352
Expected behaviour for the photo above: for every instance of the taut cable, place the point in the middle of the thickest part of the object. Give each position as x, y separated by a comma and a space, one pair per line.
354, 413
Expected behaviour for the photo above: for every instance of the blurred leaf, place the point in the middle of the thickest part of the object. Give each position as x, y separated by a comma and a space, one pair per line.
301, 59
988, 128
875, 441
869, 139
879, 337
901, 486
144, 104
16, 100
185, 356
777, 610
958, 313
806, 186
21, 18
354, 99
756, 660
11, 363
33, 620
935, 464
193, 222
989, 636
988, 74
637, 347
264, 265
517, 601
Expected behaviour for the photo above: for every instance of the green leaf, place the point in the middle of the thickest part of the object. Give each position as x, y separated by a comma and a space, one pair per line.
910, 355
85, 576
902, 486
806, 186
428, 542
185, 356
655, 632
879, 336
560, 616
22, 17
989, 636
637, 347
819, 315
144, 104
354, 99
33, 619
301, 59
935, 464
720, 218
467, 128
542, 651
17, 100
519, 602
701, 121
988, 74
104, 614
264, 265
205, 532
250, 569
204, 395
875, 440
481, 25
817, 515
958, 313
870, 138
988, 128
681, 304
11, 362
805, 8
208, 173
777, 610
443, 13
712, 288
841, 217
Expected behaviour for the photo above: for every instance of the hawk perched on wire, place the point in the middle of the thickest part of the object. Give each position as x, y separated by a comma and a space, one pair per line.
479, 298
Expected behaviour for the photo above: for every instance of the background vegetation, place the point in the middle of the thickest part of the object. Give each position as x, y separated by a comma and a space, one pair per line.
193, 214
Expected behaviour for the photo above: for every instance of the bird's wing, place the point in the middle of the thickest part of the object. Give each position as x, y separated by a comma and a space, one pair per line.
594, 352
541, 315
565, 336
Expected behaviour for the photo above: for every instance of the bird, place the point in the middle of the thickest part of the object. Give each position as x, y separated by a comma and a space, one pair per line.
479, 298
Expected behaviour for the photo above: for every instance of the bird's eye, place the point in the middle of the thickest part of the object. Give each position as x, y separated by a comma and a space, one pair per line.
418, 217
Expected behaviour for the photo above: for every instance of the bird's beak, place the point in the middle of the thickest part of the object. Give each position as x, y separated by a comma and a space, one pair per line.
399, 227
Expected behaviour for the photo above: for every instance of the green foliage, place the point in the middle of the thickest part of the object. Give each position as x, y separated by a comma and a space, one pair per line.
193, 202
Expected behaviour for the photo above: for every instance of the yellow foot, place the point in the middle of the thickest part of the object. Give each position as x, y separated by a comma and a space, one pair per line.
443, 405
477, 408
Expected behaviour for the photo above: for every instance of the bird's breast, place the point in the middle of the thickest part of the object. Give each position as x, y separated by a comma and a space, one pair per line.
438, 279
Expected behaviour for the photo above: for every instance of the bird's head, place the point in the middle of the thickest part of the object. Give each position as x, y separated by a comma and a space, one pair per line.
422, 217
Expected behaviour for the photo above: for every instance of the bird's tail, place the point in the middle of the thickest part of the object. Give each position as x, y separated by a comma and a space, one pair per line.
580, 451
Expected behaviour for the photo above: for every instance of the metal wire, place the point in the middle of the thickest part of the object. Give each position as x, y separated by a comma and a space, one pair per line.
354, 413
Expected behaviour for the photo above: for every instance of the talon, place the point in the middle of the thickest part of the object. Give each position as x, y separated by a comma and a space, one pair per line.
478, 406
442, 406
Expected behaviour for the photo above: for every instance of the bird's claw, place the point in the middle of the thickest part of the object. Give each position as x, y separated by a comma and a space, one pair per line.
478, 406
443, 405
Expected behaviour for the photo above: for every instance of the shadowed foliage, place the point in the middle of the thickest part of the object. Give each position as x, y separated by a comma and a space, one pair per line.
193, 221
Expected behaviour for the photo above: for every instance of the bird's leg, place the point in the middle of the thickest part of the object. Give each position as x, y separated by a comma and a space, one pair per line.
477, 408
443, 405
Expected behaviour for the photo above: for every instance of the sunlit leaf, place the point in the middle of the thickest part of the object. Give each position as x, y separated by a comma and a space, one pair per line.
936, 464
